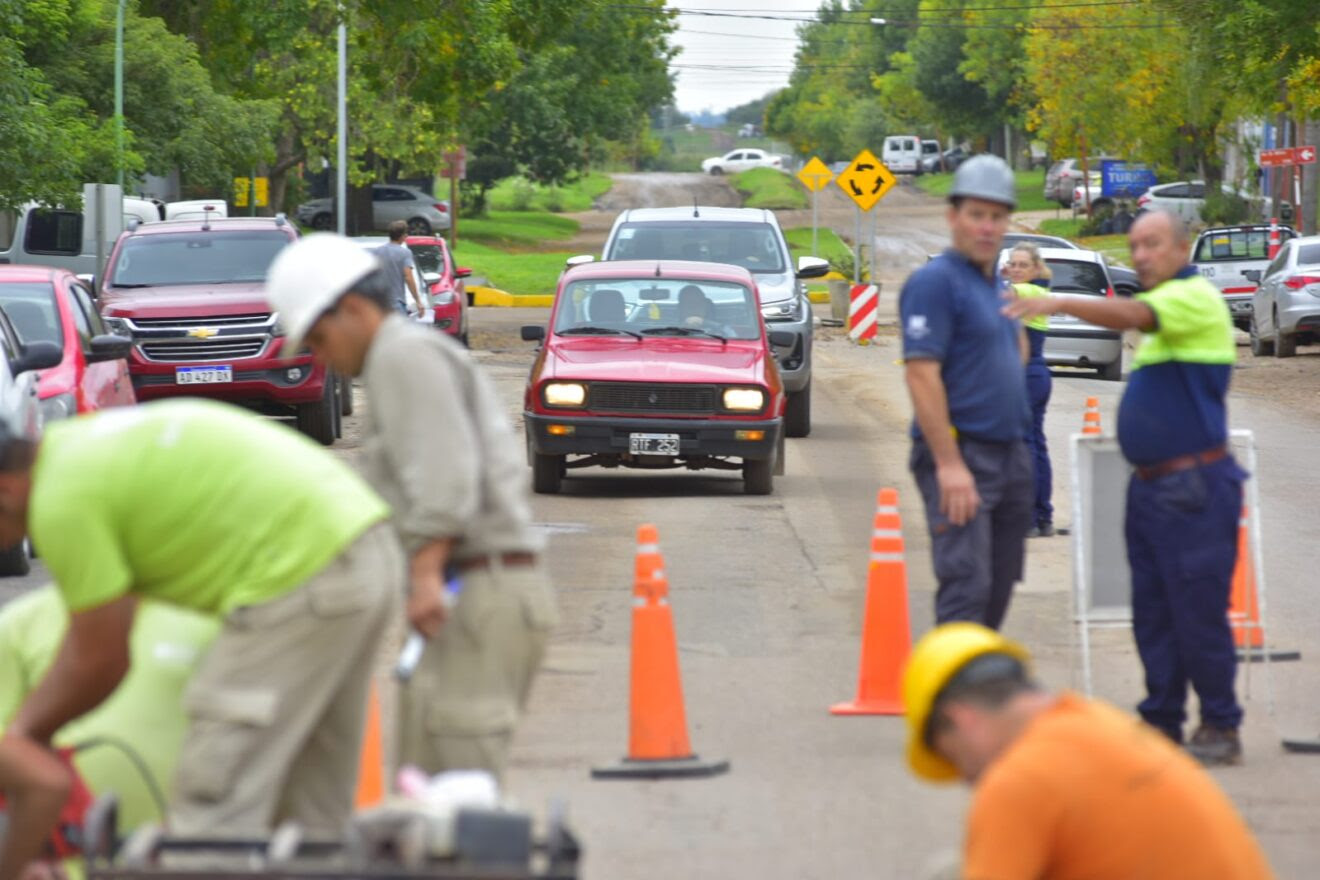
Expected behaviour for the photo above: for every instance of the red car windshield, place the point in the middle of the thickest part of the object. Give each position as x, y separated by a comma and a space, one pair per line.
202, 257
31, 308
658, 307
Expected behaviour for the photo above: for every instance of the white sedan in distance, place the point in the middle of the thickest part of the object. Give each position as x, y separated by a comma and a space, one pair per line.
741, 160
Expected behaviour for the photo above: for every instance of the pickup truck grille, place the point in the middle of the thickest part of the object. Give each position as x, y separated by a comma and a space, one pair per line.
259, 319
217, 349
651, 397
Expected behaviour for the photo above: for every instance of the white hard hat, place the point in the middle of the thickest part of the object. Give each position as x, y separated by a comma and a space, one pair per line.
309, 276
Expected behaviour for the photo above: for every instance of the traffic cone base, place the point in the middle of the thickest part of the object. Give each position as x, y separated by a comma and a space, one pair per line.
1244, 608
668, 768
1258, 654
868, 707
1303, 746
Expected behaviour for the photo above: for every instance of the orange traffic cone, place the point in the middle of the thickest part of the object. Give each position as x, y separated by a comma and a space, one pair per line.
1244, 606
371, 764
1091, 421
657, 732
886, 637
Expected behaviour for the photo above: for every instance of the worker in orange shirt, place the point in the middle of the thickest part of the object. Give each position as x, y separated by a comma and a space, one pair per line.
1065, 787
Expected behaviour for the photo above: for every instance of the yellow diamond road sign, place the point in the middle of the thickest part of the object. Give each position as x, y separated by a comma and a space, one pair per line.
814, 175
866, 181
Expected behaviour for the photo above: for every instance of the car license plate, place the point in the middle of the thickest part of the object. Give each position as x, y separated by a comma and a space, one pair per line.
653, 444
203, 375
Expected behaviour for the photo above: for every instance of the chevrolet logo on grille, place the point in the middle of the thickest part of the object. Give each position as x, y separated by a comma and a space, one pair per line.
203, 332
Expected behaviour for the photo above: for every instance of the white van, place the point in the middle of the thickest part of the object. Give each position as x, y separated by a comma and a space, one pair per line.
902, 154
77, 240
197, 209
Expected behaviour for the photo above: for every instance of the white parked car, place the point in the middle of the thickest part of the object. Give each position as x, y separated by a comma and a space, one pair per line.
1285, 309
424, 214
735, 161
1185, 198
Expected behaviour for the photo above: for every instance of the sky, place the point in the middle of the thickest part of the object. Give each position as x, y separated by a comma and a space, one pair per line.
730, 44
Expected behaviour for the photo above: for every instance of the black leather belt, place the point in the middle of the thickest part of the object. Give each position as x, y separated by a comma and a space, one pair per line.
1181, 463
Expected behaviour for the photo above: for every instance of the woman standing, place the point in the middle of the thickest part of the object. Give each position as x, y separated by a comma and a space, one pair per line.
1030, 278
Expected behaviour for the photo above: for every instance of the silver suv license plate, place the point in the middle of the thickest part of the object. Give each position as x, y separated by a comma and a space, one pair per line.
653, 444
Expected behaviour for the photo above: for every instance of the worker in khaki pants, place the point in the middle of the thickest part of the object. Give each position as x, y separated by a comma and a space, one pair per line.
223, 512
440, 449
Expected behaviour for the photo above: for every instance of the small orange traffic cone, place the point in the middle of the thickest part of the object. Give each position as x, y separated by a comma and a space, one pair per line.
657, 732
1244, 606
371, 764
1091, 421
886, 637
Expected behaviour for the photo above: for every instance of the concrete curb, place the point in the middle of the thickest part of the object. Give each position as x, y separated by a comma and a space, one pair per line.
494, 297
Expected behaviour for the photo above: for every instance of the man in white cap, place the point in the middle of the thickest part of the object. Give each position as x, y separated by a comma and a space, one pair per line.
441, 450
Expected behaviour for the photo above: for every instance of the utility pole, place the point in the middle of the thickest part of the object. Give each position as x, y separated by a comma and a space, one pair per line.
119, 92
341, 158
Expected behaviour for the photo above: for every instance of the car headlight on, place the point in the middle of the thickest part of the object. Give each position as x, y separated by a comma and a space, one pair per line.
60, 406
744, 399
564, 394
119, 327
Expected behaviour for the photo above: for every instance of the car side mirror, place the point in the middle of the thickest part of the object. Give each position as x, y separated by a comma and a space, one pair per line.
812, 267
1252, 275
533, 333
109, 347
90, 281
37, 356
579, 260
462, 272
782, 338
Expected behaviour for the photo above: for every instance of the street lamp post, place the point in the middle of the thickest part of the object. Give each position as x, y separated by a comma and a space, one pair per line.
341, 158
119, 92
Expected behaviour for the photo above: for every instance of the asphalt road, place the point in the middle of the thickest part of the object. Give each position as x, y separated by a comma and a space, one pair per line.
767, 595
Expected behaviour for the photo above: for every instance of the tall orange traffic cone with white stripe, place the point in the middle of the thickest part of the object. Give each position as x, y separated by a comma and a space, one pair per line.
1091, 420
371, 764
886, 636
658, 743
1244, 606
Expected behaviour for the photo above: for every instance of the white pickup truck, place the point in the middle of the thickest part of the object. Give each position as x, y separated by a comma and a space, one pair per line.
1224, 255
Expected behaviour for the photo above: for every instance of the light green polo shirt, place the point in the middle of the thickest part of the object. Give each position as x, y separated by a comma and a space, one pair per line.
1033, 291
145, 711
192, 502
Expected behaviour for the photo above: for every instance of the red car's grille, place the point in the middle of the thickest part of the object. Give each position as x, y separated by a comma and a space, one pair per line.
260, 318
218, 349
650, 397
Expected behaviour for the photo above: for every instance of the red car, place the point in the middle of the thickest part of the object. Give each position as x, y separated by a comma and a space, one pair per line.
444, 282
51, 305
655, 365
191, 295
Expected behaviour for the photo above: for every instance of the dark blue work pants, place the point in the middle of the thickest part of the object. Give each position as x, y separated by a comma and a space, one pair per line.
1039, 385
1182, 546
978, 563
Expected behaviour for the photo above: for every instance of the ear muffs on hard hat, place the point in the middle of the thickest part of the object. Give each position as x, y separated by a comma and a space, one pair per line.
309, 276
934, 661
985, 177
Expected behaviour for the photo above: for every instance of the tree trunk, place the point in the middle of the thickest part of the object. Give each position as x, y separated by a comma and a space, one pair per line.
1310, 179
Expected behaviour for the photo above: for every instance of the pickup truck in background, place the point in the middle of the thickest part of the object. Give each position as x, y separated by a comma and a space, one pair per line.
1225, 254
191, 296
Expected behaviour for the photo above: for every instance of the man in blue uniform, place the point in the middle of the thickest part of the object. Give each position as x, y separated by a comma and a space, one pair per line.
964, 370
1185, 495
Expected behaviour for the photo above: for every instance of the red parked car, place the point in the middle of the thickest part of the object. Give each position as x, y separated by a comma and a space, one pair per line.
655, 364
51, 305
444, 282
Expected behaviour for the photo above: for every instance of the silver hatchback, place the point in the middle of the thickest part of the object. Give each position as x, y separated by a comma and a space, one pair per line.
1285, 310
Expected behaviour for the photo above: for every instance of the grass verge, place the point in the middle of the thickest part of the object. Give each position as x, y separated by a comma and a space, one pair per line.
521, 274
1069, 229
768, 188
1114, 247
829, 245
520, 194
517, 228
1029, 187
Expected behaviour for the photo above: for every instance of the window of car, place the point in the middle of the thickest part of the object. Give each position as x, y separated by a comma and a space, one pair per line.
754, 154
651, 306
390, 194
32, 310
1173, 191
1308, 254
430, 258
1232, 244
84, 308
1280, 259
1076, 276
754, 246
54, 232
1196, 190
236, 256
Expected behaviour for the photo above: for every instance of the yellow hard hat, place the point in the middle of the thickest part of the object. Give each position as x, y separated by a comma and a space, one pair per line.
936, 659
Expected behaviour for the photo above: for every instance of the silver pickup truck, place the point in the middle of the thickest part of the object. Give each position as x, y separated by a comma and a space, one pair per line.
1224, 254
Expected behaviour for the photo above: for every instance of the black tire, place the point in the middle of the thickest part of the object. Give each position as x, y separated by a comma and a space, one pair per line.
716, 171
547, 473
1284, 346
419, 226
317, 420
338, 405
797, 415
14, 560
322, 222
1260, 346
758, 476
1112, 372
345, 396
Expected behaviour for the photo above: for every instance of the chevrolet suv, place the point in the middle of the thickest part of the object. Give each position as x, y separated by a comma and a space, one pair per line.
191, 296
745, 237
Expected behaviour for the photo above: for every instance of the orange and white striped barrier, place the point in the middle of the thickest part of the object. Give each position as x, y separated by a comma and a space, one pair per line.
1244, 612
862, 312
1272, 248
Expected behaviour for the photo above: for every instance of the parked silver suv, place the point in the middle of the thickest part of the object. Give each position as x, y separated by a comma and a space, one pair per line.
746, 237
1286, 306
1225, 254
